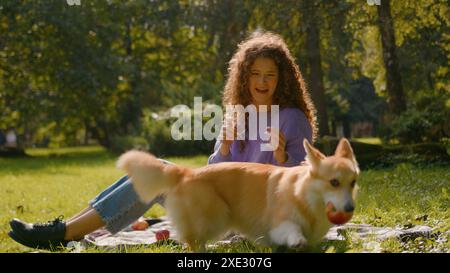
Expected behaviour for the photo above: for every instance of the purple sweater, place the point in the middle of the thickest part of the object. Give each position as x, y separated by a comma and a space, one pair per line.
295, 127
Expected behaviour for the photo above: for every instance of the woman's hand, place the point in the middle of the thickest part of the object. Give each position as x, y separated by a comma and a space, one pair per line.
278, 141
230, 130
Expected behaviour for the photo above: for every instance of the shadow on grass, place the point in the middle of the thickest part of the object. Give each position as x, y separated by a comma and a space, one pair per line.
92, 156
40, 160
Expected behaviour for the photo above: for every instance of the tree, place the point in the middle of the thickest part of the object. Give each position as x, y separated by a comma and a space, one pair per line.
364, 104
315, 73
396, 100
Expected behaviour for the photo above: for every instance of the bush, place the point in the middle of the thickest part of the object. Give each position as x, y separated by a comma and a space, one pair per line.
425, 121
120, 144
370, 155
157, 133
12, 152
416, 154
328, 145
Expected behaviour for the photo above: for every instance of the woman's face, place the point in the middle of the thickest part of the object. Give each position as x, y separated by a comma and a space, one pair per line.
263, 81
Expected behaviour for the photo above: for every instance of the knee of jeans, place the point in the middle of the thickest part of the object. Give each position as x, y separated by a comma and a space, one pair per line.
108, 190
126, 216
160, 199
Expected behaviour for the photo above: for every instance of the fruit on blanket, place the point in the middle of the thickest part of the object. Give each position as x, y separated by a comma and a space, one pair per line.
337, 217
140, 224
162, 235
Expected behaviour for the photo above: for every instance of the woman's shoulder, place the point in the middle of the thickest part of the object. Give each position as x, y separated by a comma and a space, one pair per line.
293, 121
291, 113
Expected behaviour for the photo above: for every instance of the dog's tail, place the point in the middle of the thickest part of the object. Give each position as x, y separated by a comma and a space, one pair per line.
150, 177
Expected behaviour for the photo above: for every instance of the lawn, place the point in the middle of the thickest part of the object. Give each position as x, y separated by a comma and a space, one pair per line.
55, 182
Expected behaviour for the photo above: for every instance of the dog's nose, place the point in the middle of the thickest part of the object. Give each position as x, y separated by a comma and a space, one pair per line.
349, 207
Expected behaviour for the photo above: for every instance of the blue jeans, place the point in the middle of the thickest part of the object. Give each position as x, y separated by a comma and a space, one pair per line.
119, 205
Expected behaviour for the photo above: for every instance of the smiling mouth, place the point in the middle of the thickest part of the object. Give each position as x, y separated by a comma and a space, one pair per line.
262, 91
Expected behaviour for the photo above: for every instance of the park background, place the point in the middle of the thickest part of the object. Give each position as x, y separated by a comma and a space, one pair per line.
80, 84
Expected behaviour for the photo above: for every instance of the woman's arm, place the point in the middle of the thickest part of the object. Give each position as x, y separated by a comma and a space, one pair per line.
217, 156
295, 128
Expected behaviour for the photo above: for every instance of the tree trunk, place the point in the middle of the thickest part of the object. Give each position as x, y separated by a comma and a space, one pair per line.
232, 21
101, 132
396, 99
315, 75
347, 128
133, 109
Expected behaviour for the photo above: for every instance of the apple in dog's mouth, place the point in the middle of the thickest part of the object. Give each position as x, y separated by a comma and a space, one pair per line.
337, 217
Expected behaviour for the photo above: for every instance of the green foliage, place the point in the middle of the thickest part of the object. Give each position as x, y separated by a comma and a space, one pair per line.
382, 156
364, 103
357, 102
120, 144
425, 121
423, 45
161, 143
93, 69
419, 155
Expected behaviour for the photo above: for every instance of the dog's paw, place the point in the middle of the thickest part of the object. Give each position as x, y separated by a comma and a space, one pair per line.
296, 240
288, 234
293, 243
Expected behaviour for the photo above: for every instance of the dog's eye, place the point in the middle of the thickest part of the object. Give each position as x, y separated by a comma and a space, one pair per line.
334, 182
353, 183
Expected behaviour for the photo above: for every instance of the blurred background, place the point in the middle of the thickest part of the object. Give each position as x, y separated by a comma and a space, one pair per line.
107, 72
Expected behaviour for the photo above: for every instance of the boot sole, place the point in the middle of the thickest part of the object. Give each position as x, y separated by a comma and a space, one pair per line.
17, 235
47, 246
21, 241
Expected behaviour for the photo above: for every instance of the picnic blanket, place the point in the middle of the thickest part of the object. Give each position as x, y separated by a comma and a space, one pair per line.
128, 237
104, 239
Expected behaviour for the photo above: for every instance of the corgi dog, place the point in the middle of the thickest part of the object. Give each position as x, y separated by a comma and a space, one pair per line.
272, 205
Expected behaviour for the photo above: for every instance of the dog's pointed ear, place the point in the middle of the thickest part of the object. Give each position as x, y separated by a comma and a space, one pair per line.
344, 149
313, 156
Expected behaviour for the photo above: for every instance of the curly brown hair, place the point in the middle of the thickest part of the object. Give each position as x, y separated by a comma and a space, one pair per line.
291, 89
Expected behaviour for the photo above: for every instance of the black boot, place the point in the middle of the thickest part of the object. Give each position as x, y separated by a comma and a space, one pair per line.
48, 235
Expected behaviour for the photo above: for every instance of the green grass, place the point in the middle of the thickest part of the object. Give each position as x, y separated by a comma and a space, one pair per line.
62, 181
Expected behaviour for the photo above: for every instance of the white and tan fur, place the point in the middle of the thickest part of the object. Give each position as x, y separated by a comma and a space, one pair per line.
269, 204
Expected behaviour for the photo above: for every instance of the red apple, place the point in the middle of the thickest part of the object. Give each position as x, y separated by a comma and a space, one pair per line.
337, 217
140, 225
162, 235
